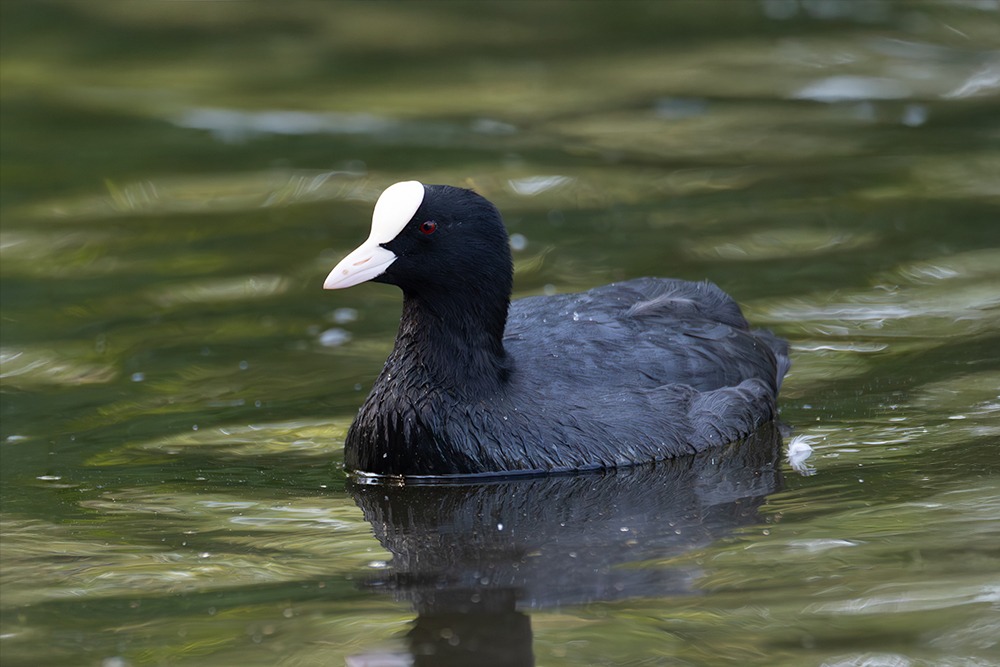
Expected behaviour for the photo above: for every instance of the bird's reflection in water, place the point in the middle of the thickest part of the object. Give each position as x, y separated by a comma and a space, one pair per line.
472, 557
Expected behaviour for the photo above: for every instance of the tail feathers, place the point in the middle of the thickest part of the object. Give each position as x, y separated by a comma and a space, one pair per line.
731, 413
779, 348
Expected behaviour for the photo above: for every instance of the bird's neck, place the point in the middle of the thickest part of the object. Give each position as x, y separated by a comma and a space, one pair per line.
455, 342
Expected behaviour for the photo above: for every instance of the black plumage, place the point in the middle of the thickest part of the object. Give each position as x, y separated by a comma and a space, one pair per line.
641, 370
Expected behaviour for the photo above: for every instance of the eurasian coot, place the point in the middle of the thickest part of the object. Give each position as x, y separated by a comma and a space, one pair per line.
631, 372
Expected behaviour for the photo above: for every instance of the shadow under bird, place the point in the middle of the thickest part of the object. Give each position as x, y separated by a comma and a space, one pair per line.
632, 372
476, 556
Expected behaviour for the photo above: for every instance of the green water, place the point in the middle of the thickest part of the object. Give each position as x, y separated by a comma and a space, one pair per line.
178, 178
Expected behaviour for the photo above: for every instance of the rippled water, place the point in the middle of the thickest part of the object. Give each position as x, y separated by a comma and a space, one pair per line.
178, 179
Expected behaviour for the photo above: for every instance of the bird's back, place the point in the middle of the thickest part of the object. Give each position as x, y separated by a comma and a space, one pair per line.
642, 333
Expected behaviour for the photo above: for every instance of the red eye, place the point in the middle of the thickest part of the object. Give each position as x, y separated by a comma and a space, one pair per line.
428, 227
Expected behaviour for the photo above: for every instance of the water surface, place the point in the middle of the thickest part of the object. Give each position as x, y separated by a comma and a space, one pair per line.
178, 180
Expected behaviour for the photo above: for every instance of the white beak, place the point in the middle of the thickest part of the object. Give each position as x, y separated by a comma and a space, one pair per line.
367, 261
394, 208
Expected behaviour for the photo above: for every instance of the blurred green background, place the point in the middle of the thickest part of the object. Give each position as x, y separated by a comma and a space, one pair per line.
177, 178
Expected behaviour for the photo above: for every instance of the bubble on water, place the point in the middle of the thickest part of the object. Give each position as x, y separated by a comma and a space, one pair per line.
344, 315
334, 337
914, 115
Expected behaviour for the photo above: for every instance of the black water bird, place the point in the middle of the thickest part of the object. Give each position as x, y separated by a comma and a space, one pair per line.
636, 371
